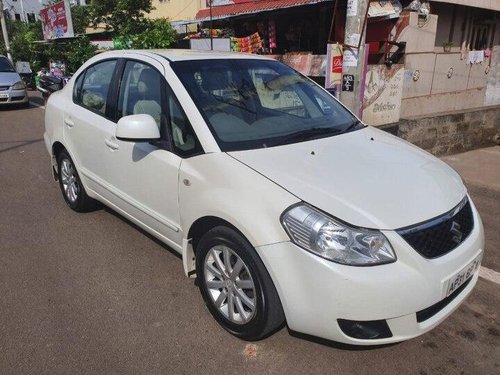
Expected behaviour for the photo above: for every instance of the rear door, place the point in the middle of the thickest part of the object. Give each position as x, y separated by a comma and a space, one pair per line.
88, 124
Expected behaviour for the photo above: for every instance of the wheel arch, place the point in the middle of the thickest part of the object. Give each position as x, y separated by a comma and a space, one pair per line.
197, 229
203, 224
57, 147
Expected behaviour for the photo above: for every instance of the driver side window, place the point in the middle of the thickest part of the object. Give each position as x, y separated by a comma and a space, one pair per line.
140, 91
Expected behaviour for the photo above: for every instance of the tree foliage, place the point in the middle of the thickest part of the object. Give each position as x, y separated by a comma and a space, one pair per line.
74, 52
22, 37
124, 17
159, 34
81, 17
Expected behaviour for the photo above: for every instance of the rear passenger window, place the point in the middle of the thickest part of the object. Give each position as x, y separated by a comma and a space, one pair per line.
94, 89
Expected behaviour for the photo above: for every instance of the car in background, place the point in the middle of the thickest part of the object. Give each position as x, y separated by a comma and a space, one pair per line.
280, 201
12, 87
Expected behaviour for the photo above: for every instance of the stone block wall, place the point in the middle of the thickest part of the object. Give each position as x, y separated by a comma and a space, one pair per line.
451, 133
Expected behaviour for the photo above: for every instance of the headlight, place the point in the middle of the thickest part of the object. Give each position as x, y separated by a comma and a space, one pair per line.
333, 240
19, 86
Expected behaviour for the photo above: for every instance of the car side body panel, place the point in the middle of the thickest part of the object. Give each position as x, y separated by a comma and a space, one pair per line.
218, 185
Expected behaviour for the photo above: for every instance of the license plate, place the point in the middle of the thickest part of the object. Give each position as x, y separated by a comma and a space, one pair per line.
3, 95
461, 277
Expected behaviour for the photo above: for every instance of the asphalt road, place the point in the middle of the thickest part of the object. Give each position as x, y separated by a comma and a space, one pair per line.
91, 293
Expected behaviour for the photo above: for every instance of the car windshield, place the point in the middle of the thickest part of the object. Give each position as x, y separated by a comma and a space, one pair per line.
251, 103
5, 65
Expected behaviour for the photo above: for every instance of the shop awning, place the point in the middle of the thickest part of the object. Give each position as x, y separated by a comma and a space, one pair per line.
483, 4
231, 10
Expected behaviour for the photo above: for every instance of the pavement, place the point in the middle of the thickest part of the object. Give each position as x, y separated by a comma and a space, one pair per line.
93, 294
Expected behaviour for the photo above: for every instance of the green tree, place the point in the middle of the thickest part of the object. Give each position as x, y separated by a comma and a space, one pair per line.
159, 34
81, 17
125, 17
22, 42
78, 51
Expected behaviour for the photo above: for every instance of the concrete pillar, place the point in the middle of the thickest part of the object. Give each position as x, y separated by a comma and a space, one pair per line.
352, 66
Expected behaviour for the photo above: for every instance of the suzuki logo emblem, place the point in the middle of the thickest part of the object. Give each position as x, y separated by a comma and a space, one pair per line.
455, 230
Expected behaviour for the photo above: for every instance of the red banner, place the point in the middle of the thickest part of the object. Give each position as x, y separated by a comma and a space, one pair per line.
56, 21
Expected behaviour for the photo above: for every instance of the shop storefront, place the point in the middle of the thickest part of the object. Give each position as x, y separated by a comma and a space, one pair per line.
294, 31
410, 65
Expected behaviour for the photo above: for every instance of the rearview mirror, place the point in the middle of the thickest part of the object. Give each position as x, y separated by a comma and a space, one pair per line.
137, 128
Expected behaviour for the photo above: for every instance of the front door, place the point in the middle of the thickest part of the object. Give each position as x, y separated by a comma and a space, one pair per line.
143, 176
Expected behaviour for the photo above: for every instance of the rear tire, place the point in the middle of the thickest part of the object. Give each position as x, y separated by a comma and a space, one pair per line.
71, 186
236, 286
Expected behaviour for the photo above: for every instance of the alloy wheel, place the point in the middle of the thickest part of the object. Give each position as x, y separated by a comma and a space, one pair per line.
69, 180
230, 285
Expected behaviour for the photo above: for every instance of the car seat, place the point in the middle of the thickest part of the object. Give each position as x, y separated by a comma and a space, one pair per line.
148, 87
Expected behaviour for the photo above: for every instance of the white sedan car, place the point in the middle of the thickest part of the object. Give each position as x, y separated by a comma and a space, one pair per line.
282, 203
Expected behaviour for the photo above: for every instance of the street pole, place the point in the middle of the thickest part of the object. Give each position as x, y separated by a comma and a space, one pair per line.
210, 31
354, 52
22, 12
4, 32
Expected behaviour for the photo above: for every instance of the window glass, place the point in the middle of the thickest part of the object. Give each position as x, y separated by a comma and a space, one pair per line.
140, 91
285, 100
5, 65
253, 103
77, 88
183, 137
95, 87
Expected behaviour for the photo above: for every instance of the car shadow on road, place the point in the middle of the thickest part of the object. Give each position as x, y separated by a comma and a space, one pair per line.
135, 226
338, 345
37, 100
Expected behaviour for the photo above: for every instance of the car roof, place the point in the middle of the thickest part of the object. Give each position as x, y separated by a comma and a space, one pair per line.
189, 54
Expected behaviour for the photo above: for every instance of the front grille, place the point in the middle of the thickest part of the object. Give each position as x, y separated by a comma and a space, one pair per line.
441, 235
4, 88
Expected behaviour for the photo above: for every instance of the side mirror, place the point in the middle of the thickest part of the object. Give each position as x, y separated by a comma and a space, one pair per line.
137, 128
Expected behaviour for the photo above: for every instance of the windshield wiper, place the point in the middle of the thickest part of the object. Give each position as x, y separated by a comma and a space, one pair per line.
305, 135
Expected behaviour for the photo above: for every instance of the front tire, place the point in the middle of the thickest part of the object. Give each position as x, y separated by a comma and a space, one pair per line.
236, 286
71, 186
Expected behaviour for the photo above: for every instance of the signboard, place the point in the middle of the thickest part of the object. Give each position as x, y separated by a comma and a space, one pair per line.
333, 66
56, 21
301, 62
383, 93
348, 82
23, 67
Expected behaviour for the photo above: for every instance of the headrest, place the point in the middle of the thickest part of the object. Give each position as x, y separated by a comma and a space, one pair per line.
148, 81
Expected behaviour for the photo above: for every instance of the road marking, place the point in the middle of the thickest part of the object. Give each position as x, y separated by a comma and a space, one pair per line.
490, 275
37, 105
489, 151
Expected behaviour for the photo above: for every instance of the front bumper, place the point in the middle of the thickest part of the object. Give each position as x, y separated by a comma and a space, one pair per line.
9, 96
315, 292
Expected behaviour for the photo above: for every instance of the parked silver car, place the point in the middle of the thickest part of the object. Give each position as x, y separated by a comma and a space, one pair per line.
12, 87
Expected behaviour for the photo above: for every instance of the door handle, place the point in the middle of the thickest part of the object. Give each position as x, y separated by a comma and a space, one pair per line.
68, 121
112, 145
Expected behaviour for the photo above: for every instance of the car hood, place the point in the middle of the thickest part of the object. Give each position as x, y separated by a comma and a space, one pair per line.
367, 178
9, 78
